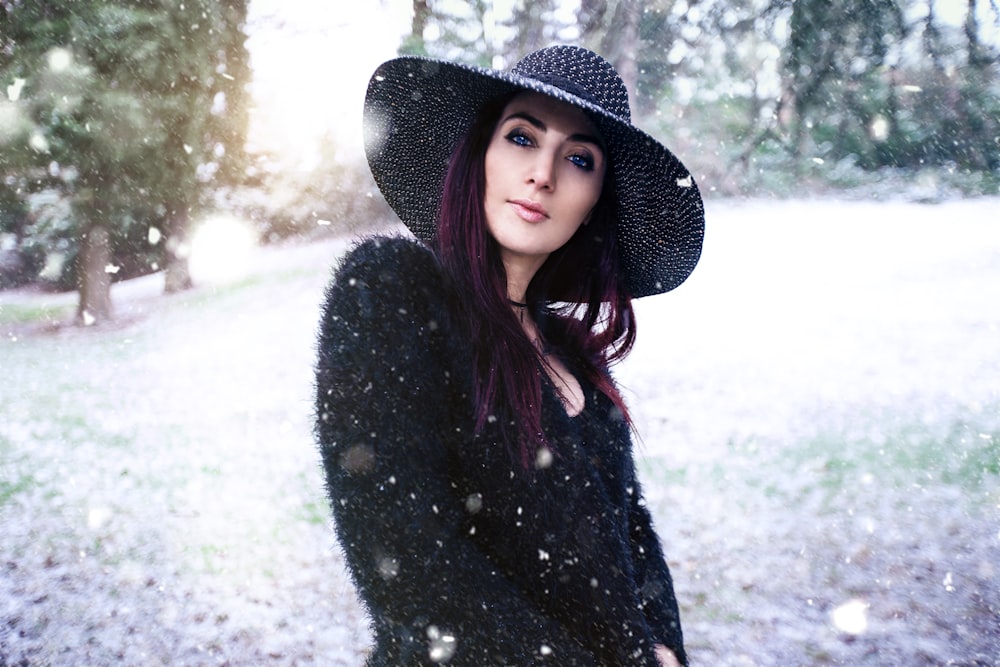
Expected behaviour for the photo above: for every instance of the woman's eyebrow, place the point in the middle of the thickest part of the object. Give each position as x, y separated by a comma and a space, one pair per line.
537, 123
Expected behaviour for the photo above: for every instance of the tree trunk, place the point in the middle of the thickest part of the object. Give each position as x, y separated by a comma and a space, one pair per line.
92, 275
974, 57
591, 20
530, 23
178, 250
421, 12
414, 42
621, 44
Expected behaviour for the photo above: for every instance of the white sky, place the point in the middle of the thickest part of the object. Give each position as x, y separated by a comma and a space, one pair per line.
311, 63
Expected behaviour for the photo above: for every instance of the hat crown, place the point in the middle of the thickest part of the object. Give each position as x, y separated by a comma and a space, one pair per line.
579, 72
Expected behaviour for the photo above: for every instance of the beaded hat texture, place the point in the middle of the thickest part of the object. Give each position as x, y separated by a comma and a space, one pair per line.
417, 110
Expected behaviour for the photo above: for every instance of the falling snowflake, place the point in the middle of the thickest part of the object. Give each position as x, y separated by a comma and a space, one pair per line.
442, 644
851, 617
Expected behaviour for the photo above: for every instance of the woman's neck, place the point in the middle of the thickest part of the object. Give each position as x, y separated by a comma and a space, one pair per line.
520, 270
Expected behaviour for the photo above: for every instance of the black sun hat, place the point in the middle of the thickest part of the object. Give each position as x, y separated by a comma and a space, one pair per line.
417, 110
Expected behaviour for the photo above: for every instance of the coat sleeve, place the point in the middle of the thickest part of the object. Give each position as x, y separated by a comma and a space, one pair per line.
382, 387
656, 586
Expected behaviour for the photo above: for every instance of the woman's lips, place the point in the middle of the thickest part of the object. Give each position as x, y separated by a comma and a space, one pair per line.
529, 210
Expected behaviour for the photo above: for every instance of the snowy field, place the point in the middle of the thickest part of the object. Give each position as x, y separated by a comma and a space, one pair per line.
819, 409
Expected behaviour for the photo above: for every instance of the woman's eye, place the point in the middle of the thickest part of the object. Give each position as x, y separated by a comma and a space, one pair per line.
519, 138
585, 162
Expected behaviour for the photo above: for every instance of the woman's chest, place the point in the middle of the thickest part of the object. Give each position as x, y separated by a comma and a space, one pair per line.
582, 468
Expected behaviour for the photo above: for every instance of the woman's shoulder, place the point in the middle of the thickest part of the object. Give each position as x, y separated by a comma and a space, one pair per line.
388, 258
385, 314
386, 262
388, 285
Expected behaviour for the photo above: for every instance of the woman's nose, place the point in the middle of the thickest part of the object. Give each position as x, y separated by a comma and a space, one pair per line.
543, 172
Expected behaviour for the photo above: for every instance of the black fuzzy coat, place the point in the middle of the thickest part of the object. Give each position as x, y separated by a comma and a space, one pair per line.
459, 554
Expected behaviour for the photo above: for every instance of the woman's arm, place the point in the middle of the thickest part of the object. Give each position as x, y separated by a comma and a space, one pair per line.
656, 586
382, 423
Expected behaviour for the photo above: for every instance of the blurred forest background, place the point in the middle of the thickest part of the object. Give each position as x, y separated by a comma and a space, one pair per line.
123, 124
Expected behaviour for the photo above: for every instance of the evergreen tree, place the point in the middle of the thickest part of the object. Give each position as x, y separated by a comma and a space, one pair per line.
636, 36
532, 25
858, 90
135, 110
461, 32
836, 53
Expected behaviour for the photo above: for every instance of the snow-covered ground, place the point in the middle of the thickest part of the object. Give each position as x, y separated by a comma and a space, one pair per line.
821, 402
819, 409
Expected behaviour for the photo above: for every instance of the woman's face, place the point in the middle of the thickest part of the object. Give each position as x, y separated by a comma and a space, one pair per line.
544, 172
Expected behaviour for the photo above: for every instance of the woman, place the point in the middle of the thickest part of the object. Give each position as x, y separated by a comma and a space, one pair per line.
477, 453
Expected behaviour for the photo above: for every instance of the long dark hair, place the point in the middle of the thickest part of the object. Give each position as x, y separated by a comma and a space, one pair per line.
578, 298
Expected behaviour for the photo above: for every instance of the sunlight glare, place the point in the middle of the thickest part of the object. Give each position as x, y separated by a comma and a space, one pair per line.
222, 248
59, 59
311, 65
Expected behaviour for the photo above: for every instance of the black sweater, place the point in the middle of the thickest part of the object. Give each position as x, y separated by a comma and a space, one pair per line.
459, 554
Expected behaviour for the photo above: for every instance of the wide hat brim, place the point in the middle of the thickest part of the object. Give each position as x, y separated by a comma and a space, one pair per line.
417, 110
